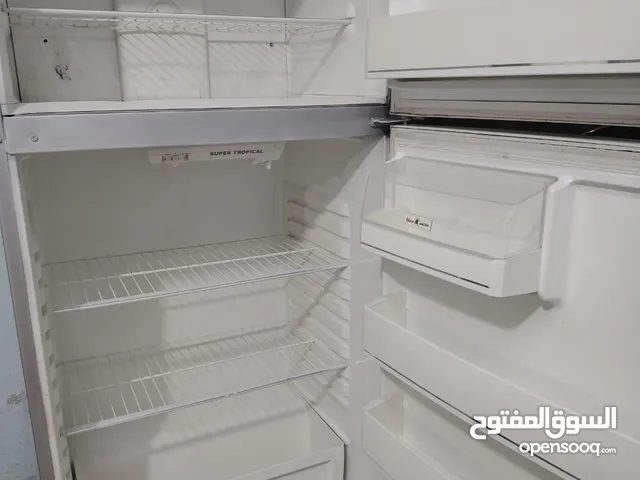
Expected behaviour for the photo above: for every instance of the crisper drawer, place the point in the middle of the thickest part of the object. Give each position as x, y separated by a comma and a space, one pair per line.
411, 437
467, 38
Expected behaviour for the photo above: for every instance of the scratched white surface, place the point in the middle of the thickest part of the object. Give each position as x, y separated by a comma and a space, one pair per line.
17, 453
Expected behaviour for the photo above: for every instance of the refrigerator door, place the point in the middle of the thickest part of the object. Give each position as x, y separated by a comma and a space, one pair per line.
569, 347
466, 38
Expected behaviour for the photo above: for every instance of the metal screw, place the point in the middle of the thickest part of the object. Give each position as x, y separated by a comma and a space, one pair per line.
34, 138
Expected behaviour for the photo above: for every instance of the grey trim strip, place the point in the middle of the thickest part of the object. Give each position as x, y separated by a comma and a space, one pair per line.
18, 283
506, 65
112, 130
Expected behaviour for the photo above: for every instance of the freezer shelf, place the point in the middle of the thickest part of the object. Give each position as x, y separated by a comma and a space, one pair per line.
112, 389
100, 282
171, 23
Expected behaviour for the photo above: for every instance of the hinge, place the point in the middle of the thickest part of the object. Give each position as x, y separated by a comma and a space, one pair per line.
385, 123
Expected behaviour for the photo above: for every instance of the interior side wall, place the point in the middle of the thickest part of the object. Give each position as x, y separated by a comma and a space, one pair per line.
329, 186
46, 351
330, 64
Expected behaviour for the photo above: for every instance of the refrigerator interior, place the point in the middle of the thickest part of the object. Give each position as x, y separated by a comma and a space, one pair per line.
92, 55
241, 284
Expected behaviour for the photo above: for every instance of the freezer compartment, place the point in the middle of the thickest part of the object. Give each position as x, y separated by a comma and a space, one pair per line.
478, 227
410, 436
264, 435
189, 53
470, 38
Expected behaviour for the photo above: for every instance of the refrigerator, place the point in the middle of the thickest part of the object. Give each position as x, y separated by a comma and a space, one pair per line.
323, 239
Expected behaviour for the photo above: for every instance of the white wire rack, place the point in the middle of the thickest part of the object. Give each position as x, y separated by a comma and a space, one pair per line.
100, 282
108, 390
170, 22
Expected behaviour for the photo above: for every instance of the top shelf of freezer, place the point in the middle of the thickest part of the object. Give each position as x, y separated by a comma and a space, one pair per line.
143, 73
133, 55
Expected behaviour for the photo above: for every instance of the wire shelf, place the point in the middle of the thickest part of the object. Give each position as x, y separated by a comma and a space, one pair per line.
112, 389
170, 22
100, 282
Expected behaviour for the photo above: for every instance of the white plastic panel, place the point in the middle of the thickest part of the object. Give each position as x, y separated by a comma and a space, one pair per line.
325, 187
326, 64
437, 39
59, 64
148, 211
172, 65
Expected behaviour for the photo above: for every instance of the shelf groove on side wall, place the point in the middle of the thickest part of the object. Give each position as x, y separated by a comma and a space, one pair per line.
117, 388
100, 282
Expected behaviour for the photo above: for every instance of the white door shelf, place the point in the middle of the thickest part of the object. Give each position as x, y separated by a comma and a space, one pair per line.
480, 228
385, 444
100, 282
389, 336
449, 369
495, 277
116, 388
410, 437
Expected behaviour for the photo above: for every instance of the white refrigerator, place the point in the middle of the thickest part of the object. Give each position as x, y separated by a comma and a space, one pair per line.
322, 239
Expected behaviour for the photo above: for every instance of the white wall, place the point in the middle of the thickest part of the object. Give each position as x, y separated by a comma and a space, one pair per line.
330, 64
92, 204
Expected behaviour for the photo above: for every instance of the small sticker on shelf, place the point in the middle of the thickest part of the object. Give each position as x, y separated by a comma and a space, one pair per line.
423, 223
260, 153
